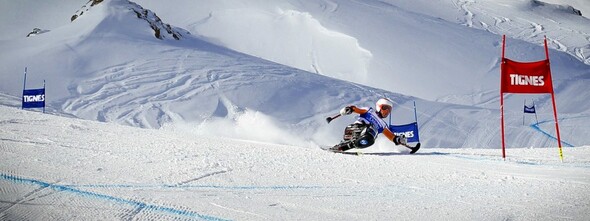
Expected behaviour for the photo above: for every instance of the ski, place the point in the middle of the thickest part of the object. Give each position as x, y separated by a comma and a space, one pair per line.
413, 150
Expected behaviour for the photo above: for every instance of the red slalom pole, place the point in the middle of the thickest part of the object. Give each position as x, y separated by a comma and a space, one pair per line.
502, 98
554, 107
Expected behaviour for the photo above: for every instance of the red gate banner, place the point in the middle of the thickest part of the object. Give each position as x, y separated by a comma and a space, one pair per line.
530, 77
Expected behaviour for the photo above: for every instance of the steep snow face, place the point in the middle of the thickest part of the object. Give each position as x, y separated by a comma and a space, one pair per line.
297, 40
412, 43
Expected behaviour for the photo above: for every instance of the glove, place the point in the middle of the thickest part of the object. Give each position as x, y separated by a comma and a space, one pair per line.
401, 139
346, 110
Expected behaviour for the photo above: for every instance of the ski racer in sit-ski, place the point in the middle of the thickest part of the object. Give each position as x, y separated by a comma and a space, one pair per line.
369, 124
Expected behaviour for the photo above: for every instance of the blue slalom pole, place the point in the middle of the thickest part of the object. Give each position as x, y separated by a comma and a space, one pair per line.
415, 113
44, 98
24, 88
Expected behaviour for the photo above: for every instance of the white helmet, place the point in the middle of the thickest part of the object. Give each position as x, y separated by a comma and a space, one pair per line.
383, 102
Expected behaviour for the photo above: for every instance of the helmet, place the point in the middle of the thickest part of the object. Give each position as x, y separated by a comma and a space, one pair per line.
381, 103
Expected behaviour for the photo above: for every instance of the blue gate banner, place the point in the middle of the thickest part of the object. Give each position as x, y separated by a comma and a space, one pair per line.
529, 109
34, 98
409, 130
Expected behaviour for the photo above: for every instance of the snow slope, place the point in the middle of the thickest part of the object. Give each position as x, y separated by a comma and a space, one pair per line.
400, 46
222, 129
65, 168
107, 65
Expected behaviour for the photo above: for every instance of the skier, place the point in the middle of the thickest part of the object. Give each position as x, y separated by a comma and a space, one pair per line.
363, 132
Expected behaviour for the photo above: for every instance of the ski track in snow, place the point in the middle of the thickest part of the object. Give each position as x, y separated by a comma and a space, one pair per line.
113, 88
537, 128
61, 188
527, 27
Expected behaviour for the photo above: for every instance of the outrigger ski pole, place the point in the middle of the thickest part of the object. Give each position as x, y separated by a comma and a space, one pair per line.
329, 119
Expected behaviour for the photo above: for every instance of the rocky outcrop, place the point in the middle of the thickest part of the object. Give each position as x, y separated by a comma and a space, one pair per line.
161, 29
36, 31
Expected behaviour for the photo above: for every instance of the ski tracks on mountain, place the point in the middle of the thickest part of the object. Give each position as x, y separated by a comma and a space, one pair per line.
526, 24
152, 92
114, 90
